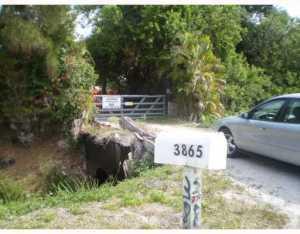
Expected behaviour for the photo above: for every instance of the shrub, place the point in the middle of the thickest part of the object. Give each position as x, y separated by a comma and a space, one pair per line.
75, 90
45, 77
245, 85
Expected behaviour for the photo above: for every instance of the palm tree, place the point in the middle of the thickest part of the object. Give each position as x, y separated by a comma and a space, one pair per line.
197, 74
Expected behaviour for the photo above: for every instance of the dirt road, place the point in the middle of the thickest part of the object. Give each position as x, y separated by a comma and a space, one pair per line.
267, 180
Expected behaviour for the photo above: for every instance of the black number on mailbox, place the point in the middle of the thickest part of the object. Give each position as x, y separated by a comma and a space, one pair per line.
191, 151
183, 150
199, 151
177, 151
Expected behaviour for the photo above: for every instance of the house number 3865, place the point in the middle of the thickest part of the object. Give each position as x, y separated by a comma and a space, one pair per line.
188, 150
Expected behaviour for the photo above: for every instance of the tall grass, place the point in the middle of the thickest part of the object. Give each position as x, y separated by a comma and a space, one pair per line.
57, 180
10, 191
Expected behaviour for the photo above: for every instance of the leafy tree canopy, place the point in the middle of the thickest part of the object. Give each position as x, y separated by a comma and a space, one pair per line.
43, 70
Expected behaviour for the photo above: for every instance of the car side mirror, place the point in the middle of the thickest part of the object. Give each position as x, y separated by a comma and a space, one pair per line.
244, 115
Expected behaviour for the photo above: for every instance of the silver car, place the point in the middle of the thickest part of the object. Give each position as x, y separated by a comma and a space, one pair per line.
272, 129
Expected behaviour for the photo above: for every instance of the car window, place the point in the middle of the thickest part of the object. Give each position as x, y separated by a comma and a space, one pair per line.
268, 111
292, 114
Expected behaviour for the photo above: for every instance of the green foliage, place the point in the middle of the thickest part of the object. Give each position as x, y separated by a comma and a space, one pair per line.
45, 75
133, 47
273, 44
78, 78
139, 166
223, 26
196, 75
245, 85
10, 191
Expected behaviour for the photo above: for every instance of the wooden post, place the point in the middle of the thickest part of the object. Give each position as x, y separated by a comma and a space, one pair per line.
192, 197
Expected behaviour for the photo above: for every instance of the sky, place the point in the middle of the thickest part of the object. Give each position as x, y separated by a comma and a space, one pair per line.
292, 7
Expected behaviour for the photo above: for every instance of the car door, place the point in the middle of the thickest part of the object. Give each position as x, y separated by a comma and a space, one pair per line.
258, 129
284, 136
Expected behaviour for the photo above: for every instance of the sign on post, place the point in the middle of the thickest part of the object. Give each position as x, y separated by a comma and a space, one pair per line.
111, 102
195, 150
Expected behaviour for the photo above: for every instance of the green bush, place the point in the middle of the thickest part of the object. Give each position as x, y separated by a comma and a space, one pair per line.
245, 84
10, 191
46, 77
75, 95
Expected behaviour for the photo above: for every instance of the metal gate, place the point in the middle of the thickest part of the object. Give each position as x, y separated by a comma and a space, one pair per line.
135, 106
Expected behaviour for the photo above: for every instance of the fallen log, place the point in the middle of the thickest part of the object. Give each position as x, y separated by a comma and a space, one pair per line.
129, 124
143, 144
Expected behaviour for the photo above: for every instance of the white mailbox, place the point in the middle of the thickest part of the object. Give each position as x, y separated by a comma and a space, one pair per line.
191, 148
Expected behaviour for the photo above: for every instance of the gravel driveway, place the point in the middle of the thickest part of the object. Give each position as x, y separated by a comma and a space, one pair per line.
269, 181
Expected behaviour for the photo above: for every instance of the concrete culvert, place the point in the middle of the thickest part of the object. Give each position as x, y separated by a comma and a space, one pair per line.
105, 153
101, 176
104, 157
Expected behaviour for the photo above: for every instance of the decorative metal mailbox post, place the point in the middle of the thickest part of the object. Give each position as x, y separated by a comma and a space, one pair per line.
195, 150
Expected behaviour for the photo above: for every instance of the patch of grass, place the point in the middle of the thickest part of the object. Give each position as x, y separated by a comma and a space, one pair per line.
32, 224
161, 185
76, 210
57, 180
112, 205
148, 226
158, 196
219, 213
131, 200
46, 217
10, 191
213, 183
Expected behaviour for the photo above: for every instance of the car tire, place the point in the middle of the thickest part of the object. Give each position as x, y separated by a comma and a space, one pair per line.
232, 151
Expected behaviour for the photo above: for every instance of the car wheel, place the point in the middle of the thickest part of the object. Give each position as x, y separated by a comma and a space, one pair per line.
232, 149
